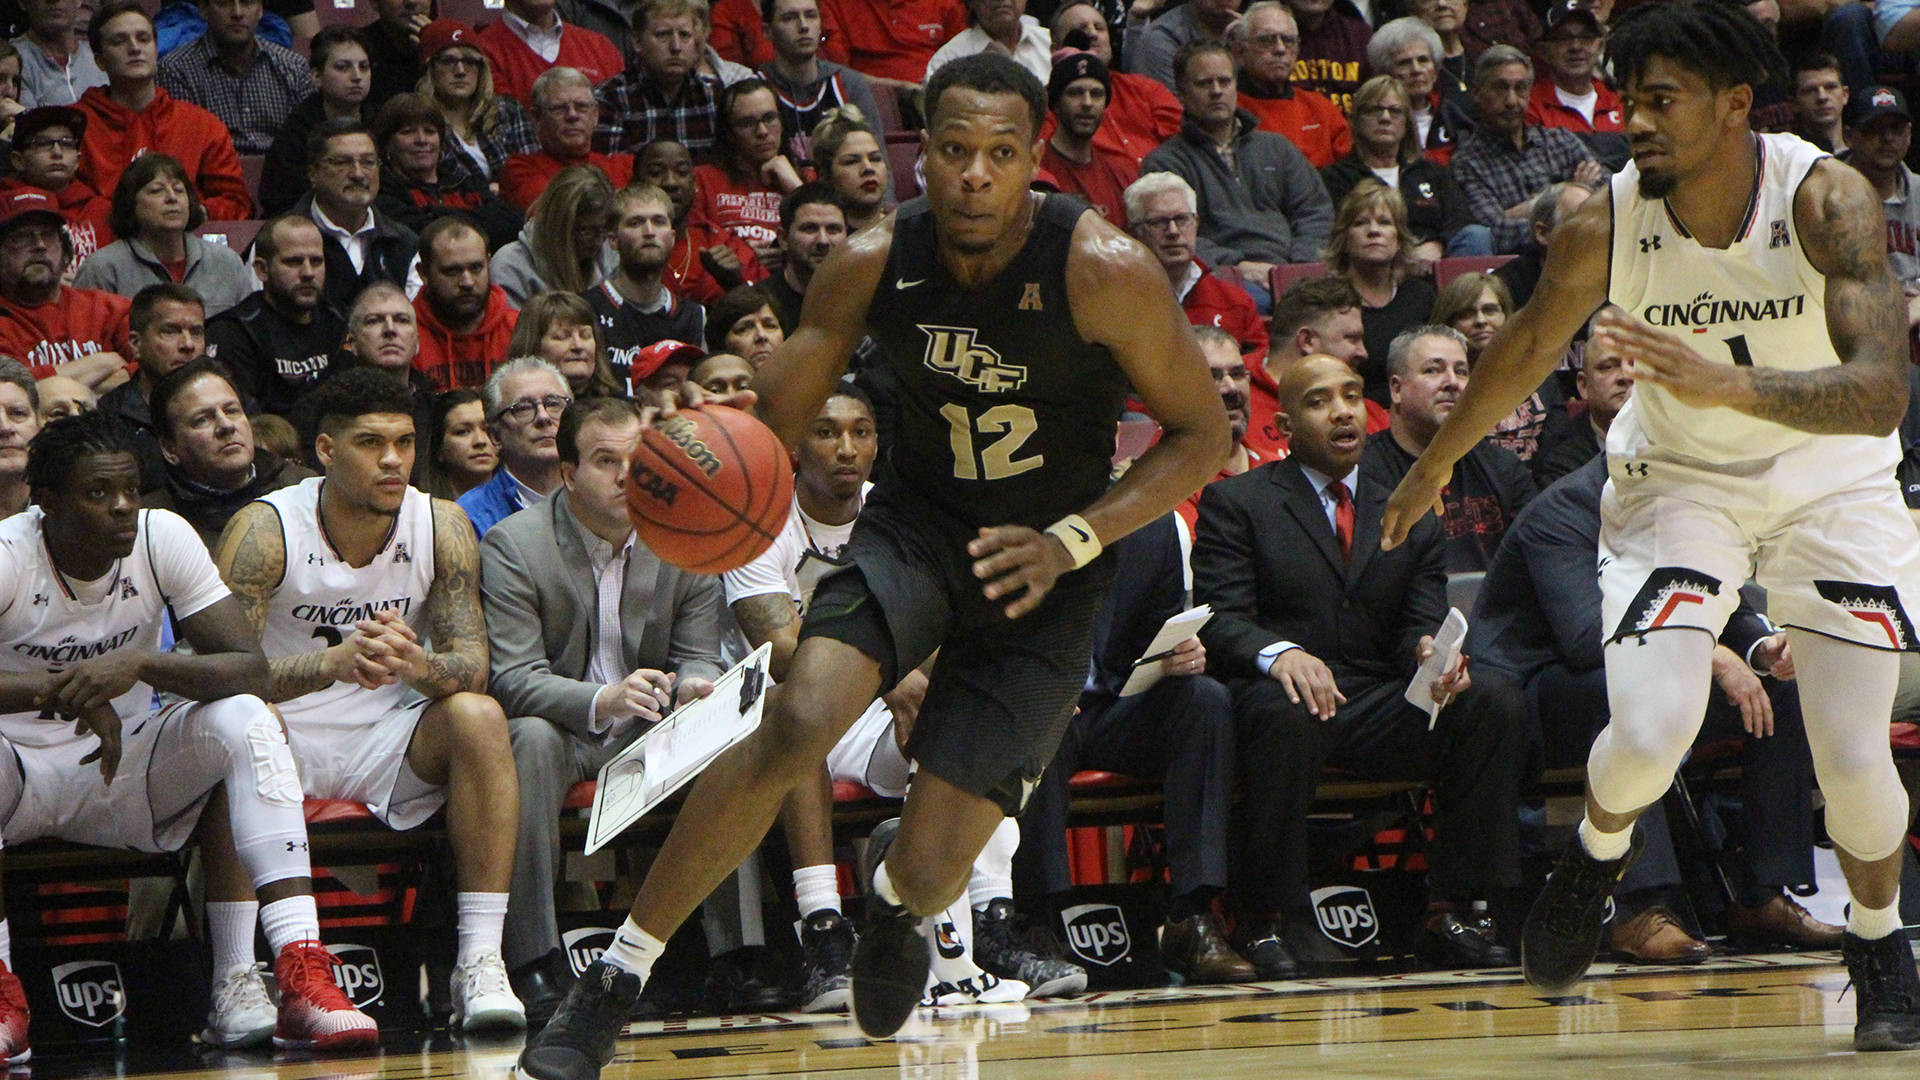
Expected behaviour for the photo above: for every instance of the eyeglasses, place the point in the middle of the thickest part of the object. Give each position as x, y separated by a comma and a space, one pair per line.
523, 410
1171, 221
449, 61
1274, 41
50, 142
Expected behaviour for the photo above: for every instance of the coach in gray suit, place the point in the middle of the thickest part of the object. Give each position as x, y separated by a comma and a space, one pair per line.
580, 675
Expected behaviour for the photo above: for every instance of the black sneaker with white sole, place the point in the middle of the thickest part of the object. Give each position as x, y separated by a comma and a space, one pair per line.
891, 960
828, 940
1564, 928
1012, 952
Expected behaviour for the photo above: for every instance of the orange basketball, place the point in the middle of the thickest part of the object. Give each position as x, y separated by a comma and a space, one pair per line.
708, 490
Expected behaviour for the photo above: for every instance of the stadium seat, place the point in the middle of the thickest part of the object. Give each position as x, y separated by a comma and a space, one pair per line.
1447, 269
888, 104
236, 235
344, 12
251, 166
475, 13
1286, 274
903, 151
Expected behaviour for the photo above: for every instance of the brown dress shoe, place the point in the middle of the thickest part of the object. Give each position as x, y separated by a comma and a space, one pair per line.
1197, 949
1655, 937
1782, 921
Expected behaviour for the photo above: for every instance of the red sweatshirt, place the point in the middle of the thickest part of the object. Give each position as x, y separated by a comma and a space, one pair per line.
894, 39
749, 210
739, 35
1545, 110
1141, 114
515, 66
1309, 120
454, 361
1222, 304
525, 176
77, 323
1102, 181
186, 132
688, 278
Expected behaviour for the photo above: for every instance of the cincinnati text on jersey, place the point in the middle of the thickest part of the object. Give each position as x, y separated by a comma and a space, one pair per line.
346, 613
1706, 310
68, 650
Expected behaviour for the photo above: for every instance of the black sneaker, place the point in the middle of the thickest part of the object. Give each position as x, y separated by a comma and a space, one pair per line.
891, 960
827, 939
1886, 991
1564, 928
578, 1042
1003, 948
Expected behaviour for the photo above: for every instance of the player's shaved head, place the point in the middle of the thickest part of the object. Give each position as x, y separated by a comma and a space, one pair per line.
1307, 372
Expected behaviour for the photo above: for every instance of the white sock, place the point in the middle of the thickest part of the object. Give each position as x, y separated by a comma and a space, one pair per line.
816, 888
481, 915
883, 886
950, 938
290, 920
6, 944
1605, 846
1872, 924
993, 870
230, 926
634, 949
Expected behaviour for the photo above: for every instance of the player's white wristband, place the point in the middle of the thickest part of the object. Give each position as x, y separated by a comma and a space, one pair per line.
1082, 545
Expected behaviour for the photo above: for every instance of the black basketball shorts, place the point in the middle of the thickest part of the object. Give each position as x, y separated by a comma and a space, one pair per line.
1002, 691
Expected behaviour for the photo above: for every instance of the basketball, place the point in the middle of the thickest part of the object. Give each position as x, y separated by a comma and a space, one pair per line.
708, 490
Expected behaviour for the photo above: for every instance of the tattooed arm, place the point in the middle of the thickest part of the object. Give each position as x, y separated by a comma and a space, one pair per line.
456, 625
252, 560
770, 617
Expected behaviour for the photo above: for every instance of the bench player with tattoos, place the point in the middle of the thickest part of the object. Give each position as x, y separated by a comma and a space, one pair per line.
366, 593
1744, 277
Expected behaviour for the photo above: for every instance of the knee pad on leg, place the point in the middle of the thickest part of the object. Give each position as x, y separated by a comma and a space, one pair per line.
256, 745
1657, 691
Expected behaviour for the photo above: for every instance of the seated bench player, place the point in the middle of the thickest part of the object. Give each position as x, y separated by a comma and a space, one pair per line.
85, 578
346, 576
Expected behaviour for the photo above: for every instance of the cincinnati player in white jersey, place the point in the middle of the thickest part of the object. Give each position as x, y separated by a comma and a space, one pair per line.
767, 597
1745, 279
366, 593
86, 578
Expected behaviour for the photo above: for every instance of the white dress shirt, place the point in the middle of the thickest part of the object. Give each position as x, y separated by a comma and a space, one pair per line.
545, 43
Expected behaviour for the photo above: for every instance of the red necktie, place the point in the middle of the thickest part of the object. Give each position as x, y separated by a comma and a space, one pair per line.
1342, 516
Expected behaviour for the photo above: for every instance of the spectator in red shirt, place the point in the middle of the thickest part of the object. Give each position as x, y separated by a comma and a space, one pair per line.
1161, 214
131, 116
1314, 317
1141, 113
890, 41
564, 116
1333, 48
742, 193
738, 32
465, 319
56, 329
46, 154
705, 261
1570, 97
848, 155
531, 38
1264, 40
1077, 96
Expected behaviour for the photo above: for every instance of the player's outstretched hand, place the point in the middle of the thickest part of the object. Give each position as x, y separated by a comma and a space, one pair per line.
1012, 558
1664, 360
105, 723
92, 684
691, 395
1419, 492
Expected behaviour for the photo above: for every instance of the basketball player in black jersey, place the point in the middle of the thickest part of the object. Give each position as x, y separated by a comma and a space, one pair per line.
1013, 323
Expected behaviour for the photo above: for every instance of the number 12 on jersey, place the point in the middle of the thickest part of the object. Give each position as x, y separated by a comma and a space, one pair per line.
1007, 426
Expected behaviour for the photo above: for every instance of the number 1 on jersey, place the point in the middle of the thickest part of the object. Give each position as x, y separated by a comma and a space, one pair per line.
1737, 345
1015, 424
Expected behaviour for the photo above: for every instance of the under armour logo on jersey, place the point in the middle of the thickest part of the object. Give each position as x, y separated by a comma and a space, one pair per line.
400, 553
315, 560
1649, 243
1030, 297
1779, 237
1634, 468
127, 591
296, 845
953, 349
40, 599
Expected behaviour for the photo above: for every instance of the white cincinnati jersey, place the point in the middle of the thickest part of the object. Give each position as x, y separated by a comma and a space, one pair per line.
49, 622
320, 597
803, 553
1759, 302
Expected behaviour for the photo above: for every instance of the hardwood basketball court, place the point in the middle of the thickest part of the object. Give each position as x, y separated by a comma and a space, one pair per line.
1751, 1017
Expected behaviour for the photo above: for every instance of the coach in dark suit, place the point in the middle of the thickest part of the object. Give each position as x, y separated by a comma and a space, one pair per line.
1316, 632
1179, 731
576, 700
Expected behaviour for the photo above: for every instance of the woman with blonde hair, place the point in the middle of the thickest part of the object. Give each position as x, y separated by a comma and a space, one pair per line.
847, 154
1478, 305
1372, 250
1385, 149
563, 245
485, 126
559, 327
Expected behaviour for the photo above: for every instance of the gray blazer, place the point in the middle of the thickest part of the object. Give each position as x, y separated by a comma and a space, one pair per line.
536, 582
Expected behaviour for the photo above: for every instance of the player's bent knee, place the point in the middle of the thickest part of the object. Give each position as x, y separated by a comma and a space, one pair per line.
254, 736
806, 723
477, 718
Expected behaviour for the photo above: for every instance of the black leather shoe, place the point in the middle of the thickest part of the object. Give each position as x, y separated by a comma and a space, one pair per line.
747, 980
541, 985
1449, 941
1261, 944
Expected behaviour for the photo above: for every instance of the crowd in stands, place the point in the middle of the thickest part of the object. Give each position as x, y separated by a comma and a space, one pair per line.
529, 229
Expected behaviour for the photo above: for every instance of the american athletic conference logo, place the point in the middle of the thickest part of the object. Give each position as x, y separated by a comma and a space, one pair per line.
955, 351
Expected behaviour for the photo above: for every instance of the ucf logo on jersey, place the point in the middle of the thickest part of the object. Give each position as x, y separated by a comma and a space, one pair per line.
952, 349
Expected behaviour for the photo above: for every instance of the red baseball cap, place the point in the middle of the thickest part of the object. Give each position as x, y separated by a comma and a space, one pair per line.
442, 34
659, 355
22, 201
